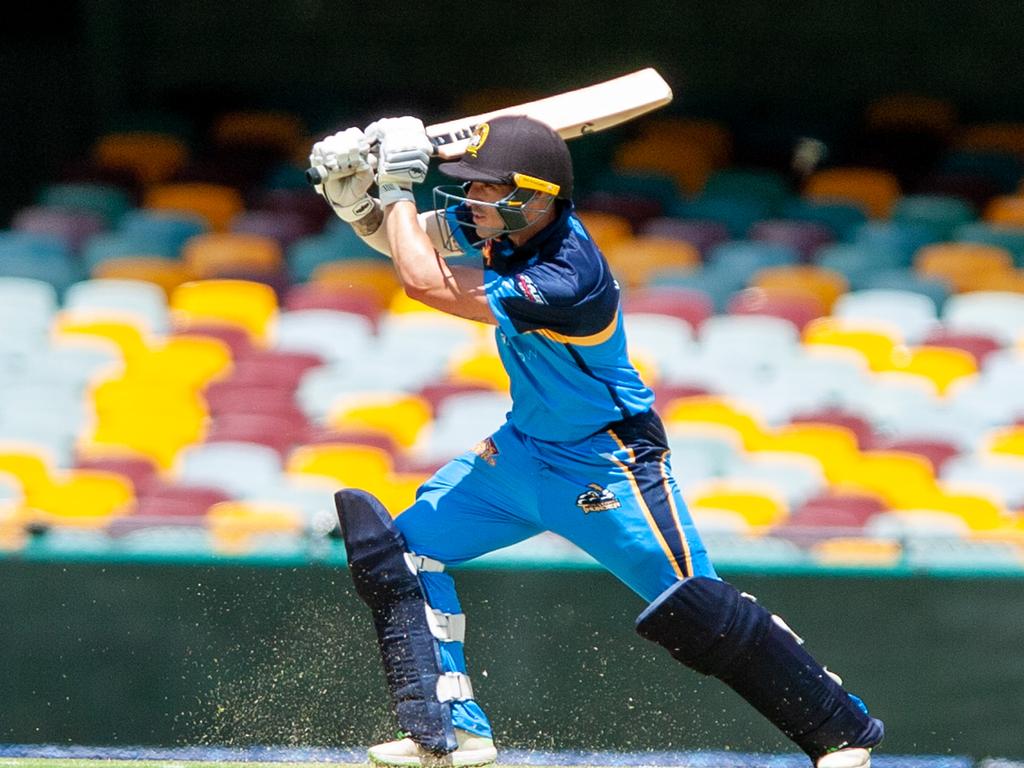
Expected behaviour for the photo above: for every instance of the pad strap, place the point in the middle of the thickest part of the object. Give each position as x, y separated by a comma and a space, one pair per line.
422, 563
447, 627
454, 686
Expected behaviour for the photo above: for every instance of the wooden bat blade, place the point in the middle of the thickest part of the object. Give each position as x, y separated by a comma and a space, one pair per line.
573, 113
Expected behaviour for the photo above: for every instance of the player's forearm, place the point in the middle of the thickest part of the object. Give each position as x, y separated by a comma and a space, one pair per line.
371, 229
416, 261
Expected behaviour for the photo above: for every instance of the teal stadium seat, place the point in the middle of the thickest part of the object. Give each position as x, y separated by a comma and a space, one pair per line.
1004, 169
38, 257
645, 184
842, 218
745, 258
904, 238
1010, 238
736, 213
768, 186
718, 284
942, 214
167, 231
105, 200
116, 245
858, 262
334, 244
903, 279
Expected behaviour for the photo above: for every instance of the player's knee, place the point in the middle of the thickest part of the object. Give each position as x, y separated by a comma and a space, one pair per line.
704, 623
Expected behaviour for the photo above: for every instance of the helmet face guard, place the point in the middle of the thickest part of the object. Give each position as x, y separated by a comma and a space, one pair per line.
512, 208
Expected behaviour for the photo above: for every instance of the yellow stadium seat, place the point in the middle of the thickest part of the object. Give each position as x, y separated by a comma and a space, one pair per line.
397, 491
941, 365
218, 204
688, 162
821, 284
1007, 210
876, 343
166, 273
875, 190
225, 253
635, 260
903, 480
994, 137
856, 552
235, 524
719, 411
761, 507
980, 512
960, 263
479, 366
83, 498
269, 129
349, 464
712, 135
607, 229
1006, 440
124, 332
30, 465
833, 445
151, 157
188, 361
377, 277
399, 415
242, 303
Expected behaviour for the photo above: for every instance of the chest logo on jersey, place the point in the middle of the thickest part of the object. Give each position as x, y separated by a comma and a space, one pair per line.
597, 499
487, 450
529, 289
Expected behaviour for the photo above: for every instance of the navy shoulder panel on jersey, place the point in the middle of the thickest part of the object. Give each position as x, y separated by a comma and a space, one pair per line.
566, 288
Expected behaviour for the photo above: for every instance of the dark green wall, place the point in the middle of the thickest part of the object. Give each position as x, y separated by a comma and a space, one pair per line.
163, 654
75, 69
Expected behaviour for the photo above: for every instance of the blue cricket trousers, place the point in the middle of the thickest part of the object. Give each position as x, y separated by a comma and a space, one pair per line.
612, 494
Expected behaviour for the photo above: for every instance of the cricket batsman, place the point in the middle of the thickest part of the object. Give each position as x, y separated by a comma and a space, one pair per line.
582, 453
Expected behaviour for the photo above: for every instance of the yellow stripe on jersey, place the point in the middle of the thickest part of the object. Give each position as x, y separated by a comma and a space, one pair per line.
584, 341
665, 479
643, 505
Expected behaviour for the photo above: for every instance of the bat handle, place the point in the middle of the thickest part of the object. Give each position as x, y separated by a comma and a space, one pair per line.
316, 175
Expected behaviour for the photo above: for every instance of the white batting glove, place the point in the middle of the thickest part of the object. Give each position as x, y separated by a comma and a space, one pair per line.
344, 165
404, 156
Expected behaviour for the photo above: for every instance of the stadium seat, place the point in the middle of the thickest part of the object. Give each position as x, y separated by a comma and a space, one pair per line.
875, 190
607, 229
361, 274
689, 305
219, 254
907, 280
234, 467
805, 280
938, 452
83, 498
634, 208
996, 313
978, 345
334, 336
129, 336
216, 204
857, 552
713, 135
940, 365
835, 447
38, 257
460, 423
703, 234
168, 274
796, 477
759, 504
27, 305
243, 527
633, 260
106, 200
119, 245
903, 237
688, 162
838, 510
242, 303
722, 412
961, 264
943, 214
166, 231
857, 262
831, 414
401, 416
744, 258
737, 214
875, 342
345, 463
261, 129
1001, 475
842, 219
151, 157
645, 185
141, 471
903, 111
761, 343
903, 480
917, 523
109, 297
912, 315
307, 253
798, 310
760, 184
1005, 210
702, 450
354, 301
73, 229
805, 236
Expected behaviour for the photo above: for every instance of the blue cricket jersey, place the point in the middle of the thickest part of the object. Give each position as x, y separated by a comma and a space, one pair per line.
559, 333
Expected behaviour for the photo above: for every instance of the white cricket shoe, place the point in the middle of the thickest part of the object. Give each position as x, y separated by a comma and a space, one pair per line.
855, 757
473, 750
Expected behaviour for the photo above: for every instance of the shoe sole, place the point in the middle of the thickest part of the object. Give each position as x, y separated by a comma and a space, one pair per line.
435, 762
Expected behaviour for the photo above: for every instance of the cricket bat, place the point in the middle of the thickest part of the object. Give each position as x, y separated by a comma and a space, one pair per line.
573, 113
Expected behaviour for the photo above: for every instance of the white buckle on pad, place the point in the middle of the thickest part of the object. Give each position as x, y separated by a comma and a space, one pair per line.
417, 563
446, 627
454, 686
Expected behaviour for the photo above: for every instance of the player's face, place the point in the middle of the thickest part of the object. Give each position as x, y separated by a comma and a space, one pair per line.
486, 219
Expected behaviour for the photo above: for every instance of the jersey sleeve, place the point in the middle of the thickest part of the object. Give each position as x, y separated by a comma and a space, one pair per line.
554, 296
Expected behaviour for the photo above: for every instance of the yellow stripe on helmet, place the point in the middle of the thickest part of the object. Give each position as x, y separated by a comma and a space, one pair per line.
532, 182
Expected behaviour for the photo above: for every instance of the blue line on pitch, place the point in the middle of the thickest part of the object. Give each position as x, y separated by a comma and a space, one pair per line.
708, 759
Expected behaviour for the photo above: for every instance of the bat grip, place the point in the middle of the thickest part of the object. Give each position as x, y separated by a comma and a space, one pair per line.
316, 175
